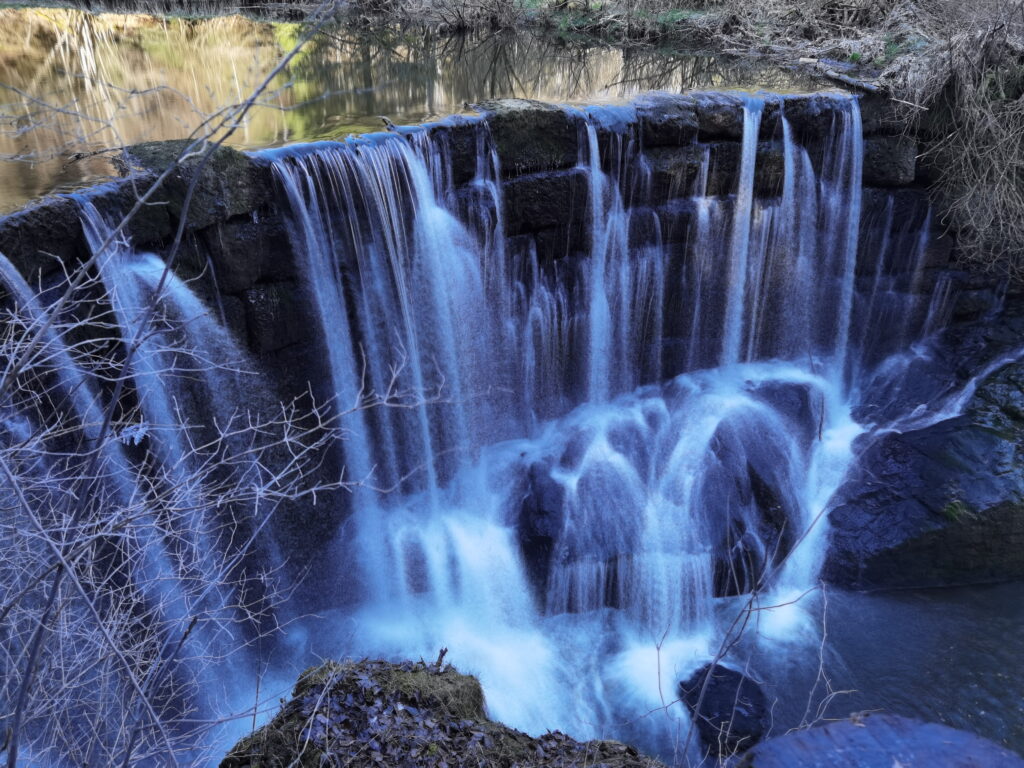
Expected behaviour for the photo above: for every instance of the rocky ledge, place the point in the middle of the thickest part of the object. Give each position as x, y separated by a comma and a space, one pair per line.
375, 713
941, 504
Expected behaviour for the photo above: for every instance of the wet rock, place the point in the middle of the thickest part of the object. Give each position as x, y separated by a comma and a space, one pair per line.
42, 236
230, 183
719, 116
674, 170
769, 169
459, 136
941, 505
369, 714
668, 120
247, 250
545, 200
747, 487
553, 207
724, 171
890, 161
729, 708
811, 114
541, 519
799, 404
531, 135
879, 741
275, 316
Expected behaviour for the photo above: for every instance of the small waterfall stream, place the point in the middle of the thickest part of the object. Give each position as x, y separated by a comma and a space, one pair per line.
605, 448
582, 466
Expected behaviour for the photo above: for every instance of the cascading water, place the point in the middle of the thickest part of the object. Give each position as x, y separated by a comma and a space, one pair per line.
604, 448
581, 465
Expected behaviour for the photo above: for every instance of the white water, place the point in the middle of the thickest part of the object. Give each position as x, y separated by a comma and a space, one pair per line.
594, 459
561, 527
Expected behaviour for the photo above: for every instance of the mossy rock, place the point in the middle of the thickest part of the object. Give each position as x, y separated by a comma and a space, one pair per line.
230, 182
375, 713
531, 136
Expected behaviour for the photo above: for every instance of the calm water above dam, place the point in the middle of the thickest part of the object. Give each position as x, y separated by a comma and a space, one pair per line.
121, 79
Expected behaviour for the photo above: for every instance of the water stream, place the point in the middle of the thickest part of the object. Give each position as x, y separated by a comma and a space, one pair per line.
572, 514
588, 463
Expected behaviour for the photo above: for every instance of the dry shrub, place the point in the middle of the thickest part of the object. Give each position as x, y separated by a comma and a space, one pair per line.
971, 82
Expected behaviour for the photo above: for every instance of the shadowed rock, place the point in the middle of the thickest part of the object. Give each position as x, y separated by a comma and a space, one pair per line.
730, 709
941, 505
879, 741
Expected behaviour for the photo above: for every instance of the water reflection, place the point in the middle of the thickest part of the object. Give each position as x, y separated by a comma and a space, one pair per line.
73, 83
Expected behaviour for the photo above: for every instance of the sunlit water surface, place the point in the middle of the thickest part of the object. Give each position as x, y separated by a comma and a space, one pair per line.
73, 82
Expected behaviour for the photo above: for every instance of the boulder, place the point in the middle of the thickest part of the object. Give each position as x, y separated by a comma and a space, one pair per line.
531, 136
369, 714
667, 119
719, 115
937, 506
879, 741
730, 709
230, 183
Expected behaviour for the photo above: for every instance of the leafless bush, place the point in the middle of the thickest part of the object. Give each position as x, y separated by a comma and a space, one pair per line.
130, 544
971, 82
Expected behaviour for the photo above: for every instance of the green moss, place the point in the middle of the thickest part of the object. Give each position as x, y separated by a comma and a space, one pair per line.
957, 511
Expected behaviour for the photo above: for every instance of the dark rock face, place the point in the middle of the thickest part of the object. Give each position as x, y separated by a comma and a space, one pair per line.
43, 236
674, 170
810, 115
668, 120
541, 520
941, 505
274, 314
890, 161
531, 135
730, 709
374, 713
719, 116
879, 741
230, 183
546, 200
247, 250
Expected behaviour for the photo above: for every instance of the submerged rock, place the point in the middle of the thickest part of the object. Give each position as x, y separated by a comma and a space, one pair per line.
879, 741
941, 505
375, 713
730, 709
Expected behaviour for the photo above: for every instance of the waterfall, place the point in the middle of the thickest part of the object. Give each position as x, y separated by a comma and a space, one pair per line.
598, 451
568, 470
